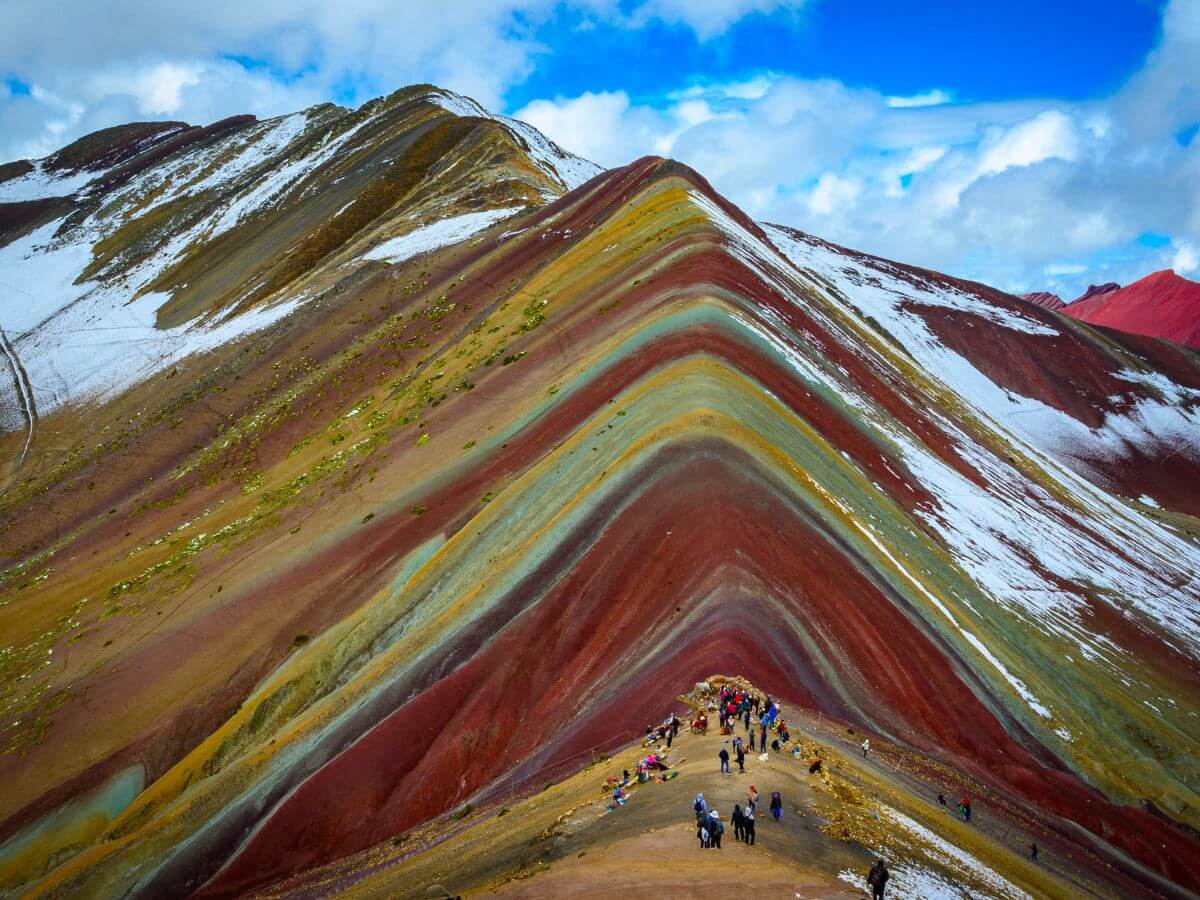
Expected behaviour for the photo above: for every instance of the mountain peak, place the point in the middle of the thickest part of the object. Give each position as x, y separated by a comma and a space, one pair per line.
372, 478
1162, 304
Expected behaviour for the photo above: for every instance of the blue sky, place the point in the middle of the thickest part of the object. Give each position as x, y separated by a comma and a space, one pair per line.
1029, 145
1031, 50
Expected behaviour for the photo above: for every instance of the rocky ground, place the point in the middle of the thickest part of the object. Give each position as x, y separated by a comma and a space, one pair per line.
562, 840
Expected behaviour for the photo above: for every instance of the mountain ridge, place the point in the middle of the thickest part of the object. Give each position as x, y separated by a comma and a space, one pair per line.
507, 487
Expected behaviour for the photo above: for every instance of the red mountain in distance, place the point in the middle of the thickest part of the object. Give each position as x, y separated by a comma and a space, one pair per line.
1045, 299
1162, 304
1097, 290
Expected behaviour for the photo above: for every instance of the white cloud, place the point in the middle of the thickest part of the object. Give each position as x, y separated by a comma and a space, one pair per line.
157, 90
1066, 269
1049, 135
832, 192
1187, 258
709, 17
935, 97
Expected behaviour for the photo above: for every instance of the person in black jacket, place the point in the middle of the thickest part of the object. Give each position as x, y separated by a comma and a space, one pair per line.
748, 824
739, 823
877, 878
724, 757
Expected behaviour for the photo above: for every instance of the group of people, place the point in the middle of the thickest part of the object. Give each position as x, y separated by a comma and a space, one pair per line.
734, 705
964, 806
709, 826
668, 729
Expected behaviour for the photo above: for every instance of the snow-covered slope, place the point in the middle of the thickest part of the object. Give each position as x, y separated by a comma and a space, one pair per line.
93, 300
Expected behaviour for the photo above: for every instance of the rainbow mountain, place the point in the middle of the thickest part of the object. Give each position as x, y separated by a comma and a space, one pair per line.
370, 473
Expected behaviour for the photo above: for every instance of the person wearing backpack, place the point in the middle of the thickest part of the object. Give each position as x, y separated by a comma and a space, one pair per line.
748, 823
701, 808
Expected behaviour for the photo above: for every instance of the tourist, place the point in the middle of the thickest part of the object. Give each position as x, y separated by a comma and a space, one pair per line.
877, 878
715, 829
776, 805
724, 757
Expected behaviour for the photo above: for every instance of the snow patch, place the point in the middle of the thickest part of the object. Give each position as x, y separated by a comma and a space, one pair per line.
438, 234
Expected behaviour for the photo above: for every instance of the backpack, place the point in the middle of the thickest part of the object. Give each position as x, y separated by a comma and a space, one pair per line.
697, 807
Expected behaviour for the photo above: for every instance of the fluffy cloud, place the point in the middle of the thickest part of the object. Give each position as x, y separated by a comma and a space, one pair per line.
127, 59
1023, 194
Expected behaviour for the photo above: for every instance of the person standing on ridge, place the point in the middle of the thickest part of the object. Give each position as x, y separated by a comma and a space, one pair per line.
1033, 852
877, 878
724, 757
715, 829
966, 807
866, 746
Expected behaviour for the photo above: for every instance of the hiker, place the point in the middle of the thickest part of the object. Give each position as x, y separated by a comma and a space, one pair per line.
701, 807
746, 716
784, 735
748, 823
724, 757
619, 796
752, 795
741, 758
702, 833
942, 799
625, 776
776, 805
866, 746
965, 806
739, 823
755, 704
762, 738
674, 725
715, 829
1033, 852
670, 737
877, 878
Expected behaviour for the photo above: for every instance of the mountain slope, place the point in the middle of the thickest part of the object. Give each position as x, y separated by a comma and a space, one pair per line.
1162, 304
473, 512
